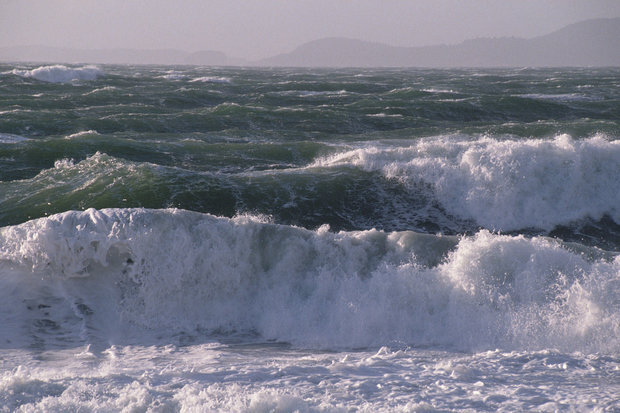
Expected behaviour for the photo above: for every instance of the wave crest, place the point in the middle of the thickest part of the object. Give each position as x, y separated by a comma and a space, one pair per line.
60, 73
505, 184
173, 271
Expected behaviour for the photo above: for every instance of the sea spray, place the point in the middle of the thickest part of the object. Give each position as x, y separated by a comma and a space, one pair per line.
504, 184
60, 73
176, 271
343, 253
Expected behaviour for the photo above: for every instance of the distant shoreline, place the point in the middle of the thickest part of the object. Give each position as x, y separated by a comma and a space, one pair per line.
590, 43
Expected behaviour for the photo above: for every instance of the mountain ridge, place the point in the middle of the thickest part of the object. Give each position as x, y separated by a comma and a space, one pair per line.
587, 43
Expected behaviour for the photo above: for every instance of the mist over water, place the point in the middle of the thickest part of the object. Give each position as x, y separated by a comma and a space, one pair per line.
259, 240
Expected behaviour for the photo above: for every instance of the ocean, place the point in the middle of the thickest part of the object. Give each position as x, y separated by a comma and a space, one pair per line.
190, 239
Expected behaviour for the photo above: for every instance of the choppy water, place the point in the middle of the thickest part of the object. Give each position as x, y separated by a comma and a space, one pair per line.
185, 238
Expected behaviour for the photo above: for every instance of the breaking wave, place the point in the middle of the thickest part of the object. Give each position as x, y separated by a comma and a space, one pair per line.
504, 184
124, 274
60, 73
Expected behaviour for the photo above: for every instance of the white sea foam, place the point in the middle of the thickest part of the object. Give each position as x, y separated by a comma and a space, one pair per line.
108, 310
384, 115
174, 75
504, 184
211, 79
402, 89
99, 90
215, 378
306, 93
434, 90
561, 97
60, 73
115, 275
10, 138
82, 133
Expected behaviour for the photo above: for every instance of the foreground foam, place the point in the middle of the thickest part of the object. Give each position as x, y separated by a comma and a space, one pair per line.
504, 184
101, 274
218, 378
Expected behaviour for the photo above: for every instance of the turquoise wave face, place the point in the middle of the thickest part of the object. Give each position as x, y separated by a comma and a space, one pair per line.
530, 151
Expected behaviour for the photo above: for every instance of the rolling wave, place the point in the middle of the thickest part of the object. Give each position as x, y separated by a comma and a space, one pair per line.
118, 274
459, 184
504, 184
60, 73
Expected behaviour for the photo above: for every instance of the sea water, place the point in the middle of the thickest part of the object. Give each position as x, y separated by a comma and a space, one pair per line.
296, 240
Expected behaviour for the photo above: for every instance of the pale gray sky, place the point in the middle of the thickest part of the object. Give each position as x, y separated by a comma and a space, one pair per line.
255, 29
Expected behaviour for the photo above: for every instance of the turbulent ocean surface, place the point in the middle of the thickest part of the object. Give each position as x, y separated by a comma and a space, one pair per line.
289, 240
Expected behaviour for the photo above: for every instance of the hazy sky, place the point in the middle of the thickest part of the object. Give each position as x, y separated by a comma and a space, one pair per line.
260, 28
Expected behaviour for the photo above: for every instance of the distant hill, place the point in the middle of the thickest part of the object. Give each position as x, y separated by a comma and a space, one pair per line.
588, 43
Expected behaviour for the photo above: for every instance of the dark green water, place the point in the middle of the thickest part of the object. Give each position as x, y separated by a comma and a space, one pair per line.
438, 151
277, 294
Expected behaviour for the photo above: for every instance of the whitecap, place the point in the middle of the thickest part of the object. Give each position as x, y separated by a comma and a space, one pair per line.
560, 97
433, 90
384, 115
212, 79
82, 133
504, 184
60, 73
173, 75
99, 90
10, 138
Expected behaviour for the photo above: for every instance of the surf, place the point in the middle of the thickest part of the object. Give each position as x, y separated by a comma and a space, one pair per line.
60, 73
121, 275
503, 184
